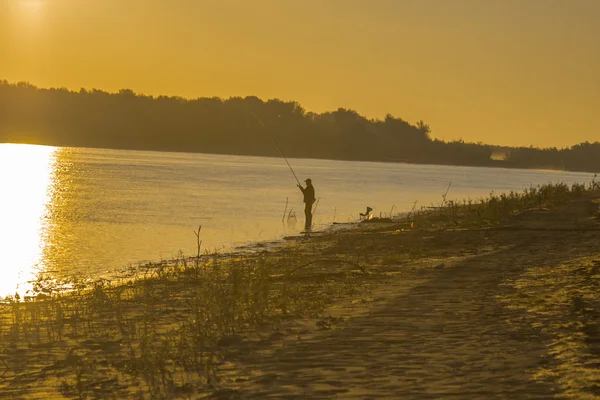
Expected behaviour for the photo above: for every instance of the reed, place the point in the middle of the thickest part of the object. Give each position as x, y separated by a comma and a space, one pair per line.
496, 209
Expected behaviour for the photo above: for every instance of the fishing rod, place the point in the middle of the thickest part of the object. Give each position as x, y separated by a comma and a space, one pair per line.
276, 145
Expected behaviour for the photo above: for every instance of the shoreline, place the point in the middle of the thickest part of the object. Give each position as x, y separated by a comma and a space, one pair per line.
253, 247
496, 164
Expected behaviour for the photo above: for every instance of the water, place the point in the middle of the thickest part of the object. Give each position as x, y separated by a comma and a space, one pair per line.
89, 212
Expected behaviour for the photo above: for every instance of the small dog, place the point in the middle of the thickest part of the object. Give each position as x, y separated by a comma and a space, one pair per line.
367, 215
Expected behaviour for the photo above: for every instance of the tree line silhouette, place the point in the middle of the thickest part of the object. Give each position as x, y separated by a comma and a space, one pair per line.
126, 120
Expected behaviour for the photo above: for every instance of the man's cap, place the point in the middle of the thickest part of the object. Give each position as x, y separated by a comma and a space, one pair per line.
307, 180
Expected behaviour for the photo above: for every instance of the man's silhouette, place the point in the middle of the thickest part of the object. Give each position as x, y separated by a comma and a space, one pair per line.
309, 199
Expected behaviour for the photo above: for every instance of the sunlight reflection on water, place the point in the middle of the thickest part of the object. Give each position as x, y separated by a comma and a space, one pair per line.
25, 186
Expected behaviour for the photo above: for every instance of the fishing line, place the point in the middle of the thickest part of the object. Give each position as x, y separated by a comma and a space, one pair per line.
276, 145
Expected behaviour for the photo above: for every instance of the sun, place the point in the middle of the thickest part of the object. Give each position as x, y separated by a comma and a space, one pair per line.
33, 4
29, 13
32, 7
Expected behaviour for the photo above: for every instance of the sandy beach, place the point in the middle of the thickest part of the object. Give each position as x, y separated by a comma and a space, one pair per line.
513, 315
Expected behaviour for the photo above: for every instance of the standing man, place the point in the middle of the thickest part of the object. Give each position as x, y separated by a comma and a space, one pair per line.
309, 199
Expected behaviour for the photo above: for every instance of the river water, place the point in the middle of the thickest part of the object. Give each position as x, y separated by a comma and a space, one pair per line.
90, 212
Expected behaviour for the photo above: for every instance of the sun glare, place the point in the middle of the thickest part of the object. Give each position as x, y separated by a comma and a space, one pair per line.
32, 5
30, 12
25, 182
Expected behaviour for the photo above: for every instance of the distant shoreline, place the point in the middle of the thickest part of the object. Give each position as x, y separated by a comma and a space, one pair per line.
496, 165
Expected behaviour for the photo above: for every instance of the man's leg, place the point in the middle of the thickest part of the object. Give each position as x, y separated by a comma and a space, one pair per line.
308, 216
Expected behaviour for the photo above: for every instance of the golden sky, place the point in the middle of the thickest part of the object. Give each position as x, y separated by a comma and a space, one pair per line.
511, 72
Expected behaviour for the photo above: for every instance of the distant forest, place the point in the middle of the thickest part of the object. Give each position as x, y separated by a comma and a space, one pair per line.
126, 120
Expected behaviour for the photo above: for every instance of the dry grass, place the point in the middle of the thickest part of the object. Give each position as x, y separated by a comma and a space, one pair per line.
162, 334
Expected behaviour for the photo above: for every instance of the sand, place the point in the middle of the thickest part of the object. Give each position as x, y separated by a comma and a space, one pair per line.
480, 326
